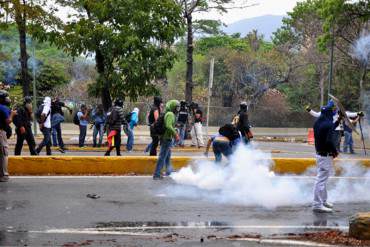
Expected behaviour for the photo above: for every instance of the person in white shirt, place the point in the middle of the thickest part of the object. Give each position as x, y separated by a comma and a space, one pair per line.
45, 126
338, 130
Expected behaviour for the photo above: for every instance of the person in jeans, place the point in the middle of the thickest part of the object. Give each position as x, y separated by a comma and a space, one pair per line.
348, 139
22, 122
197, 128
99, 118
45, 127
326, 151
57, 118
115, 120
6, 117
83, 116
164, 159
182, 121
132, 120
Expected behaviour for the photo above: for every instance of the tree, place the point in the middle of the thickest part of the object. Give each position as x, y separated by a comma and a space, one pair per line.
129, 39
25, 14
189, 7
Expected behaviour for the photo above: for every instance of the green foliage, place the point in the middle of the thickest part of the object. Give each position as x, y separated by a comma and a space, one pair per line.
132, 38
204, 45
49, 77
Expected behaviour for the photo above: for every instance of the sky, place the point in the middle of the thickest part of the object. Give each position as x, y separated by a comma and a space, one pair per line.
263, 7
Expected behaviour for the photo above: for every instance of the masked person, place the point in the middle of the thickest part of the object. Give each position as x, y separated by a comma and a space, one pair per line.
340, 128
23, 123
44, 120
6, 117
241, 121
326, 151
348, 139
170, 133
132, 119
197, 128
155, 112
115, 119
57, 118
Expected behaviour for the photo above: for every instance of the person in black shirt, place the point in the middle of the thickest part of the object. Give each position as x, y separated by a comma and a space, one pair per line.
326, 151
153, 116
57, 117
182, 121
243, 122
22, 122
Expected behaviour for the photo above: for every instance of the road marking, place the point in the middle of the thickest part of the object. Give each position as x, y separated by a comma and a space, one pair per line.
285, 242
91, 232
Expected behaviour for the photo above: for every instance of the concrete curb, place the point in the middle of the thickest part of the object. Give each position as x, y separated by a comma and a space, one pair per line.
139, 165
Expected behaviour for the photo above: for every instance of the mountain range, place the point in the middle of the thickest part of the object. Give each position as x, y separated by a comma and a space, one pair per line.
266, 25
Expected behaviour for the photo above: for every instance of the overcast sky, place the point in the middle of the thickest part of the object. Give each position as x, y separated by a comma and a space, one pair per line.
263, 7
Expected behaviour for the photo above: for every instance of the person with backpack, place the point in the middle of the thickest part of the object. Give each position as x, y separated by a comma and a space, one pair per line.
182, 121
153, 116
132, 119
115, 119
224, 142
6, 117
44, 119
83, 120
57, 118
165, 128
23, 123
242, 123
99, 118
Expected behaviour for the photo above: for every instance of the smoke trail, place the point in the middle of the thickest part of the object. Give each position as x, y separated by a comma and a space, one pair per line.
361, 48
247, 180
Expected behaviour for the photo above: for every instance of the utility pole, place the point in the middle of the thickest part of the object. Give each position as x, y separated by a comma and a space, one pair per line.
331, 62
210, 84
34, 93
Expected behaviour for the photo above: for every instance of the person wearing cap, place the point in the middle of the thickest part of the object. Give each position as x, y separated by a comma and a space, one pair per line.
340, 128
23, 123
132, 120
242, 122
326, 151
45, 126
170, 133
6, 117
115, 120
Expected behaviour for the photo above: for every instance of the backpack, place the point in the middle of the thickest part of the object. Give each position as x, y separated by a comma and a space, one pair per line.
151, 119
38, 114
76, 120
159, 126
112, 117
128, 117
229, 131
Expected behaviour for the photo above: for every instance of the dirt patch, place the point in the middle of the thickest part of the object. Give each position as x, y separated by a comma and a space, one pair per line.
333, 237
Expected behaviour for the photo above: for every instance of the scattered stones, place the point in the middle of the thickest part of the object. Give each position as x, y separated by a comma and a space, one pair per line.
359, 226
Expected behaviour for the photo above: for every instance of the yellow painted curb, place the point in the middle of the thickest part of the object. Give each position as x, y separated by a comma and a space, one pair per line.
141, 165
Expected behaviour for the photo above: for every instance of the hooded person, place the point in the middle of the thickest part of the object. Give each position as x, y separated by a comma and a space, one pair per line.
340, 128
132, 119
45, 126
115, 120
23, 123
326, 151
242, 122
170, 133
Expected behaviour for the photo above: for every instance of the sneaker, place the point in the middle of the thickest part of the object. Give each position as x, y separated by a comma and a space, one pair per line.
61, 150
4, 179
322, 209
157, 178
328, 205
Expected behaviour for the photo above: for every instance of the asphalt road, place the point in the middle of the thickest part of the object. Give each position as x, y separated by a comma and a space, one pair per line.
137, 211
277, 149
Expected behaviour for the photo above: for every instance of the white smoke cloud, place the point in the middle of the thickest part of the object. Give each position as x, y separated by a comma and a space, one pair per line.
361, 48
247, 180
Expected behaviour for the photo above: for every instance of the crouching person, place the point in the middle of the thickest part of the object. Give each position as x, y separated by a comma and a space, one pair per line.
165, 127
224, 142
